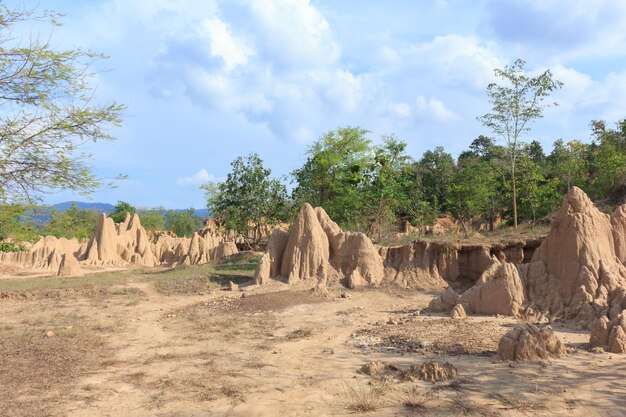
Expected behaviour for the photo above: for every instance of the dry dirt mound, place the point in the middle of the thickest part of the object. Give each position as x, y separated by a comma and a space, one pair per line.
530, 342
433, 371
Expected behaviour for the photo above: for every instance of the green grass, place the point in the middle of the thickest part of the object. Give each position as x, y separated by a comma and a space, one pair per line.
104, 279
181, 280
196, 279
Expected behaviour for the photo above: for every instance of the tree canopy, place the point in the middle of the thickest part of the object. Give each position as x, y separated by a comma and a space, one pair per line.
48, 111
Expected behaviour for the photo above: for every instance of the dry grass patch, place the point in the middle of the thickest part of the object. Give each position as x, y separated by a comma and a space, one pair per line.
463, 406
517, 402
415, 398
38, 369
366, 399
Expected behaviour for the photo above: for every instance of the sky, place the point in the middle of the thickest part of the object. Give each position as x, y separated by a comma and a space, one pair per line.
206, 81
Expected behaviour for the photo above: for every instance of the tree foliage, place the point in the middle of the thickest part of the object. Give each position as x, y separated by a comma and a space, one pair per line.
48, 112
120, 211
73, 223
183, 223
248, 199
335, 173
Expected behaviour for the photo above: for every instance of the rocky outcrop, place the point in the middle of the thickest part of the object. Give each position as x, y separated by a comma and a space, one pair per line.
444, 302
618, 223
576, 273
125, 244
458, 312
610, 335
307, 252
359, 261
498, 291
45, 255
270, 263
530, 342
69, 267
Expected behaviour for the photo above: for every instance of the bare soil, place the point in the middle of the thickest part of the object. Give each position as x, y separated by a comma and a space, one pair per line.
178, 343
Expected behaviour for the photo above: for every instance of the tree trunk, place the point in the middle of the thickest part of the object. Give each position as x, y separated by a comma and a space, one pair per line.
514, 200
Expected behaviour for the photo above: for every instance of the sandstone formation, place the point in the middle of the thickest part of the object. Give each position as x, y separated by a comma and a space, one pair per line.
498, 291
458, 312
610, 335
126, 244
316, 248
444, 302
69, 267
530, 342
46, 255
307, 252
433, 371
576, 272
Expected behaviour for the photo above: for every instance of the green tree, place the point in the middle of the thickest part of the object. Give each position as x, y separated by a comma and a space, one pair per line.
48, 111
153, 219
515, 104
568, 163
248, 198
73, 223
538, 195
473, 193
334, 174
436, 169
608, 161
15, 224
120, 210
183, 223
390, 179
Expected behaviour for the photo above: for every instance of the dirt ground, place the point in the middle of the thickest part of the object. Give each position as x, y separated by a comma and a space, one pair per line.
178, 343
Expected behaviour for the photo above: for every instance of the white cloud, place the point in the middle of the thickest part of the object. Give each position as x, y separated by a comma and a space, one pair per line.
234, 51
198, 178
434, 109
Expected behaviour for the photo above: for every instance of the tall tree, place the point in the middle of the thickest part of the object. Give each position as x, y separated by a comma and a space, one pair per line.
334, 174
389, 179
515, 104
436, 169
47, 111
248, 198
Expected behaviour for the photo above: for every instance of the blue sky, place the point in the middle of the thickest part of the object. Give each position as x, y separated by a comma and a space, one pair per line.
206, 81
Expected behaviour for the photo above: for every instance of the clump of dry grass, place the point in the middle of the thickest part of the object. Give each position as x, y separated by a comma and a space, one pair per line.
38, 368
299, 334
415, 398
514, 401
463, 406
365, 399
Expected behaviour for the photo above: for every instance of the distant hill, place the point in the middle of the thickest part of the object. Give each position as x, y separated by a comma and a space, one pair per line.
99, 207
42, 214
